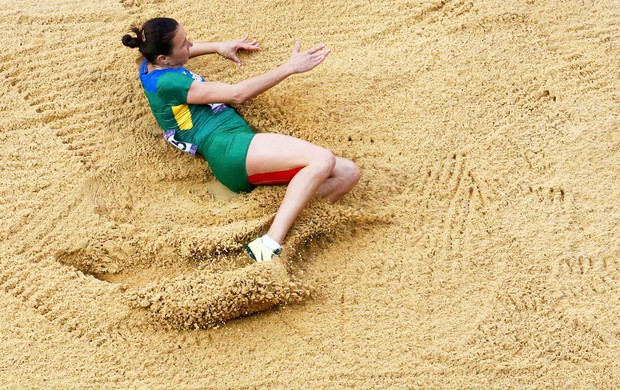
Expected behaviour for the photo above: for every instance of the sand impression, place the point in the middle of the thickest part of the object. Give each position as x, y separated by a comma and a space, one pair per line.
479, 250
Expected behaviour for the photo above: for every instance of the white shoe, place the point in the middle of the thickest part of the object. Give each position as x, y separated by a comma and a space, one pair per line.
259, 252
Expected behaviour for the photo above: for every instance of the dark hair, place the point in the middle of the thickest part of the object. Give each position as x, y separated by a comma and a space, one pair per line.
154, 38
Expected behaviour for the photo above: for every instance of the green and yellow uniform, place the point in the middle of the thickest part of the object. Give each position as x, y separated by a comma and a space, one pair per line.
215, 131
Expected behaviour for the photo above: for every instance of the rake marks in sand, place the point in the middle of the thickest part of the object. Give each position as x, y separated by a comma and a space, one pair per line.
454, 195
584, 275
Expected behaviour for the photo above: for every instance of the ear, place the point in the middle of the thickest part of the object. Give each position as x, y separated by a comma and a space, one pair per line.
161, 59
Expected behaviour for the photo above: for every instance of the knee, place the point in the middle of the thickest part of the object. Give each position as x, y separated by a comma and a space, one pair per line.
324, 162
352, 173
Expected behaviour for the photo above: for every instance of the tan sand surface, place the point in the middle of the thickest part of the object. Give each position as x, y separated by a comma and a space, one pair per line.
481, 248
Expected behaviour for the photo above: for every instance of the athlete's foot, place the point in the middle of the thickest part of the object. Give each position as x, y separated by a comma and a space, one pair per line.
259, 252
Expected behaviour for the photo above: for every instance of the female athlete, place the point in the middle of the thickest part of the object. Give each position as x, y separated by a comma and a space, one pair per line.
195, 118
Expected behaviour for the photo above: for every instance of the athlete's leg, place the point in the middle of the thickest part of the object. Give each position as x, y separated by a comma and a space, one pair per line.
343, 178
277, 152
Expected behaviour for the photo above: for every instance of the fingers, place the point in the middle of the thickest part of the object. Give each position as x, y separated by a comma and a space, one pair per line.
309, 51
308, 59
251, 45
244, 44
319, 54
317, 59
236, 59
316, 48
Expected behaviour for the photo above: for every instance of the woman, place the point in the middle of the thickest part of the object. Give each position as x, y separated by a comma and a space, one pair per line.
195, 118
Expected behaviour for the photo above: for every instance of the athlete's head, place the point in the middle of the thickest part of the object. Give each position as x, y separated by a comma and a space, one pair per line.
162, 41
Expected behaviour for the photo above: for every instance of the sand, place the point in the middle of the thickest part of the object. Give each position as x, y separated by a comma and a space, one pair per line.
481, 249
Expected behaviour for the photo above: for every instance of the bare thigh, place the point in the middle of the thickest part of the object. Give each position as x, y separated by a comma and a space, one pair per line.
278, 152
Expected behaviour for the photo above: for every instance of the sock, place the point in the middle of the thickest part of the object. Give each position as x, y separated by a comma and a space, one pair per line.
271, 243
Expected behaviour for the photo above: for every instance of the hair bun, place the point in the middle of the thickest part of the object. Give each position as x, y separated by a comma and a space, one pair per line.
130, 41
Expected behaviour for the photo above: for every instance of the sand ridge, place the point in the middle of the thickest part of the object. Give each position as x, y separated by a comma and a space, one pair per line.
480, 248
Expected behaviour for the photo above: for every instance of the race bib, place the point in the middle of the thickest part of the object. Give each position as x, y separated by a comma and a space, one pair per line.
183, 146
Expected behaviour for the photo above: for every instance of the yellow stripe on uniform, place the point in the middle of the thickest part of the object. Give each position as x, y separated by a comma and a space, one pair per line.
183, 117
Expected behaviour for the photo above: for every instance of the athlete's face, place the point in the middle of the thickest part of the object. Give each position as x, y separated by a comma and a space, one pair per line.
180, 48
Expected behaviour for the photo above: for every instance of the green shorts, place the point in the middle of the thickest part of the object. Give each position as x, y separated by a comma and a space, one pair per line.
225, 149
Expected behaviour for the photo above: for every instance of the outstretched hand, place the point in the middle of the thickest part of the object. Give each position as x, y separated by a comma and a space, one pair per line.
229, 49
306, 60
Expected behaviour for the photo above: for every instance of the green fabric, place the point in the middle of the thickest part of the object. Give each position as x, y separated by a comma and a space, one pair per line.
174, 87
222, 138
226, 148
171, 90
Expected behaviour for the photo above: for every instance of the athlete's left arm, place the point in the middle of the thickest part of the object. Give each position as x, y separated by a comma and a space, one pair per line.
200, 48
226, 49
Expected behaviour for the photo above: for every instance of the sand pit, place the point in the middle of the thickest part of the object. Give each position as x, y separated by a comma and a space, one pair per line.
480, 249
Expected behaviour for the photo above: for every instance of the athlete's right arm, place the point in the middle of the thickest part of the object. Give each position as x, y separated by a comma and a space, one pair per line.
212, 92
